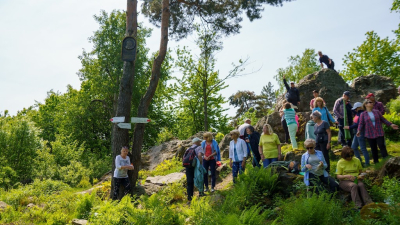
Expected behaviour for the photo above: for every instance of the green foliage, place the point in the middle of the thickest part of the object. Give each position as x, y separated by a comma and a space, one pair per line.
317, 209
300, 66
7, 176
164, 136
390, 133
201, 212
394, 105
167, 166
256, 185
85, 205
219, 137
392, 190
18, 144
200, 102
73, 173
375, 55
250, 114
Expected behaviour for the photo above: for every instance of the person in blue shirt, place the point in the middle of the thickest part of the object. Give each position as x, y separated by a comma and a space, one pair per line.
314, 165
211, 156
319, 105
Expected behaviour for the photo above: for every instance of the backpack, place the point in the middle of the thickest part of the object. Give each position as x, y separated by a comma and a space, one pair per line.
188, 159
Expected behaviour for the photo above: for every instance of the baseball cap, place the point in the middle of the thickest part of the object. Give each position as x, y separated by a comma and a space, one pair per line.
356, 105
292, 82
347, 93
369, 95
196, 139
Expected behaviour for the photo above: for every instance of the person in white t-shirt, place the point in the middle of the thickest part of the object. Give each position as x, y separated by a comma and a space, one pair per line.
122, 165
242, 128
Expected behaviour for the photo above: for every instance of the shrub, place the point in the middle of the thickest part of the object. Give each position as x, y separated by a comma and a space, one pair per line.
73, 173
394, 105
85, 205
318, 209
7, 177
167, 166
219, 137
84, 183
390, 133
255, 186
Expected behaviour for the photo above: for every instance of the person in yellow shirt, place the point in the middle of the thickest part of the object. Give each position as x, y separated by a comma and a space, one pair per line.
348, 171
269, 146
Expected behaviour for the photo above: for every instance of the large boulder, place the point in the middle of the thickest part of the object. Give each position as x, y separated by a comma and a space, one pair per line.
3, 205
275, 121
224, 146
331, 86
167, 150
154, 184
391, 168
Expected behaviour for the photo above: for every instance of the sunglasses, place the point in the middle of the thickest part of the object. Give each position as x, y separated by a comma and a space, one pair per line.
309, 148
369, 102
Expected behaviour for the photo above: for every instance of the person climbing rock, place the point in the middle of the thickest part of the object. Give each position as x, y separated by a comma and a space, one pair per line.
292, 95
326, 60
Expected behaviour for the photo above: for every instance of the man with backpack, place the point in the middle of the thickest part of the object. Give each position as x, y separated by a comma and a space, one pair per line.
192, 154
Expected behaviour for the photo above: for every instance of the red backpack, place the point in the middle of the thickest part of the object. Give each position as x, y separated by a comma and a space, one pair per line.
188, 159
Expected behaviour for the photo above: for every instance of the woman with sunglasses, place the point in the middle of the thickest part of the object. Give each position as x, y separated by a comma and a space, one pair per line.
348, 172
371, 121
313, 164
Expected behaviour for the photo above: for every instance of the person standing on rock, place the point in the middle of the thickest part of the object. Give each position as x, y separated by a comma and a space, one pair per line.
252, 139
237, 154
290, 117
358, 141
377, 105
313, 164
323, 136
122, 165
348, 171
328, 61
190, 171
343, 114
269, 146
292, 95
283, 122
211, 156
242, 128
371, 121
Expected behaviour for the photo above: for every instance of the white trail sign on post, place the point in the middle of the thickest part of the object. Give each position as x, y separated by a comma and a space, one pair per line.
118, 119
125, 125
140, 120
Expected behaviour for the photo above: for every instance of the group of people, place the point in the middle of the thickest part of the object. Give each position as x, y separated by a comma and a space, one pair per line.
357, 123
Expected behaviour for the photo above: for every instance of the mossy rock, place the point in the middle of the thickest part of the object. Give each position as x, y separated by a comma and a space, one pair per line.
375, 211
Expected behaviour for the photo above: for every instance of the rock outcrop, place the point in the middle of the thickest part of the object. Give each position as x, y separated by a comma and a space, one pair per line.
167, 150
3, 205
224, 146
154, 184
391, 168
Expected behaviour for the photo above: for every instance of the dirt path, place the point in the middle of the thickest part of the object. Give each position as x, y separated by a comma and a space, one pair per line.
222, 185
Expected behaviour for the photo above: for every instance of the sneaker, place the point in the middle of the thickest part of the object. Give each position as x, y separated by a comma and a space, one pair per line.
206, 190
212, 190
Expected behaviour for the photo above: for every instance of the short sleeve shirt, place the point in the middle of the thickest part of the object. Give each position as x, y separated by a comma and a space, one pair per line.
320, 132
348, 167
269, 144
324, 59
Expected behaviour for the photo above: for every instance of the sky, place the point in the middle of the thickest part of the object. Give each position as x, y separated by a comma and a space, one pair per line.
40, 41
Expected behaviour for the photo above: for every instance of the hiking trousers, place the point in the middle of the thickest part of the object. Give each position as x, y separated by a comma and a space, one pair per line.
285, 128
292, 133
374, 144
359, 194
360, 141
190, 182
210, 164
117, 183
236, 168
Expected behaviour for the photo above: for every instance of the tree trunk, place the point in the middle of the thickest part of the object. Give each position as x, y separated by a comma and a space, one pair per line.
146, 99
205, 106
120, 136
